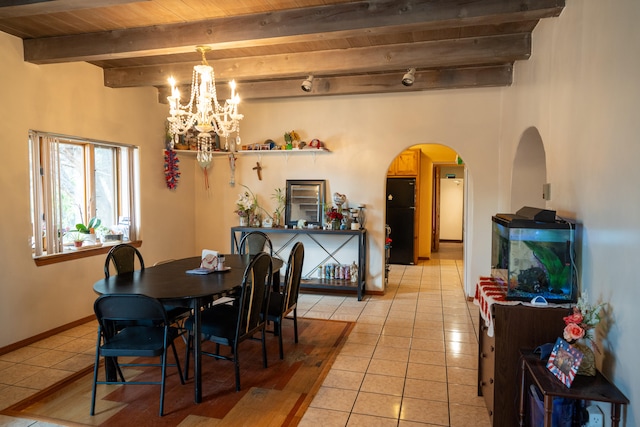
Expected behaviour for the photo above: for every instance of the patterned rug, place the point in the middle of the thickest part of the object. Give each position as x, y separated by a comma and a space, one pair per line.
276, 396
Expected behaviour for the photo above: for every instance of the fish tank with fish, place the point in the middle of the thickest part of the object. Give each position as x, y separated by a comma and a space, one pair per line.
532, 255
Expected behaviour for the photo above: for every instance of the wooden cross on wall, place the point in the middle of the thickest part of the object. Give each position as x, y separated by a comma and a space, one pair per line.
258, 169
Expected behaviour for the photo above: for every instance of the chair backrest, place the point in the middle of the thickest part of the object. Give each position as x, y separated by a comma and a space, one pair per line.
128, 309
123, 257
254, 297
293, 276
255, 242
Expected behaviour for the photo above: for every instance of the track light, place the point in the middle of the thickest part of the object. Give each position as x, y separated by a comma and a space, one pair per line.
307, 84
409, 77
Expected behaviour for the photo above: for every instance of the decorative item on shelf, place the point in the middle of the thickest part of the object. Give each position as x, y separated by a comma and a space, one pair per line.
333, 218
355, 225
280, 196
245, 205
354, 272
579, 329
203, 111
291, 140
361, 216
564, 361
171, 169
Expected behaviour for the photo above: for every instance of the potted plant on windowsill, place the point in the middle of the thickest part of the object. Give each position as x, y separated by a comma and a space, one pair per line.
89, 230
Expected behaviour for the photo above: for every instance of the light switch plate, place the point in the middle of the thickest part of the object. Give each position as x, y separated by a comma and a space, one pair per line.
546, 191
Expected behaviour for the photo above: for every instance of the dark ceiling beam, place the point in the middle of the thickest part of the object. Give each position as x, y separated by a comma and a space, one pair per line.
490, 76
17, 8
294, 25
432, 54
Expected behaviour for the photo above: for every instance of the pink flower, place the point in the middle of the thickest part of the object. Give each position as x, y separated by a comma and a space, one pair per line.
573, 332
576, 318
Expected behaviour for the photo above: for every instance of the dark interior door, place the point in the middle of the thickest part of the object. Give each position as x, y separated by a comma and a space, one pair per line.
400, 218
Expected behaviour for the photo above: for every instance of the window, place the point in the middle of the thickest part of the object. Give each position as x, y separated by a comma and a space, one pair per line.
74, 180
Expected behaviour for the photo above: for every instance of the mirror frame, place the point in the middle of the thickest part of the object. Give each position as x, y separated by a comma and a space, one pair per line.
318, 184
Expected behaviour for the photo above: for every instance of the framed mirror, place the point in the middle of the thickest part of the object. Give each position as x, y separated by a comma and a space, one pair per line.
305, 200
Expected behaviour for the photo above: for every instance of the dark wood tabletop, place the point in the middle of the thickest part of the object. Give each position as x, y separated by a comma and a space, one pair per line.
170, 281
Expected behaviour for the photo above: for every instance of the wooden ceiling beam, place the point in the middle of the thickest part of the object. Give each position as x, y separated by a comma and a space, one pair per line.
432, 54
490, 76
17, 8
294, 25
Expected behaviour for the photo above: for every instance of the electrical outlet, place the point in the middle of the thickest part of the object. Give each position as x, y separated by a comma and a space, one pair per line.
596, 418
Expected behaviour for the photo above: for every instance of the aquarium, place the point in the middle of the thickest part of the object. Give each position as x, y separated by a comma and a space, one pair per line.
532, 255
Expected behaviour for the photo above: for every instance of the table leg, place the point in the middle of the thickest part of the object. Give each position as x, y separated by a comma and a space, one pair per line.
548, 410
197, 354
615, 414
523, 368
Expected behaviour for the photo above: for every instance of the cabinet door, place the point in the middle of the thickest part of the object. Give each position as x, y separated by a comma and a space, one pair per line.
406, 164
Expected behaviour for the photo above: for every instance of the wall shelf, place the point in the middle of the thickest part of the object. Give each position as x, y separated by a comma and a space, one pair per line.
261, 152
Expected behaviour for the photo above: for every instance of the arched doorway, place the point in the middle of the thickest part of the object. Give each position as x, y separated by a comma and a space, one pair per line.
433, 159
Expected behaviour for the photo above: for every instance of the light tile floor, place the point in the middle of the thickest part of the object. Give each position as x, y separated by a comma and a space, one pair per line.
411, 359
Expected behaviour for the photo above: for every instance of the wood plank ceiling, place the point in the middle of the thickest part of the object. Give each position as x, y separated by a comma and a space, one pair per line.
270, 46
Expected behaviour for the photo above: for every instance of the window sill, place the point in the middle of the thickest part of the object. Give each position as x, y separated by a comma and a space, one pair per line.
69, 256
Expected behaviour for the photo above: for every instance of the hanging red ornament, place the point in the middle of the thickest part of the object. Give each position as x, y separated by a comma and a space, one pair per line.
171, 169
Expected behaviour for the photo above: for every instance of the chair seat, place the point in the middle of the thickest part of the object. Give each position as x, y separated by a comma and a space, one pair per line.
143, 341
218, 323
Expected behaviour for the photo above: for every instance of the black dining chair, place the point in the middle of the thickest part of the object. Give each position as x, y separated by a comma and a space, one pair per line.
231, 324
147, 333
284, 301
123, 258
255, 242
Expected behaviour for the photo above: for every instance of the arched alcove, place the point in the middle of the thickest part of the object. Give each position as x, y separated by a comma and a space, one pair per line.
529, 171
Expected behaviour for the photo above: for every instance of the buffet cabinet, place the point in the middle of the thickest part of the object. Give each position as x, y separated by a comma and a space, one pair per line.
515, 327
322, 247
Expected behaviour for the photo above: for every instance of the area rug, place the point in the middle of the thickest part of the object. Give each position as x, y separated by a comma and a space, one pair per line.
275, 396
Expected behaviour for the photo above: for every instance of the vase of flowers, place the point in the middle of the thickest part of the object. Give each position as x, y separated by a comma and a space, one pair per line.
245, 206
578, 331
334, 217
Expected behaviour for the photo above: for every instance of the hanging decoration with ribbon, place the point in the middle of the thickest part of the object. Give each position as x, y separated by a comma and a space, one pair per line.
232, 166
171, 169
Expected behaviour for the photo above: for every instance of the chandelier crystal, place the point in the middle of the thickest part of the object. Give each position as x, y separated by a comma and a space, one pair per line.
204, 112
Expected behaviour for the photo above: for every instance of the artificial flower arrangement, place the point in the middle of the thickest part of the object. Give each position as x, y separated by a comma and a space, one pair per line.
334, 215
246, 203
579, 327
581, 323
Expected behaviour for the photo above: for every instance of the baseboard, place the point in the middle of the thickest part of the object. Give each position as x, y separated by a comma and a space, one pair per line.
47, 334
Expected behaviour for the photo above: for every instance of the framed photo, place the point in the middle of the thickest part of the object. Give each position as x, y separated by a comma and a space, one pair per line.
564, 361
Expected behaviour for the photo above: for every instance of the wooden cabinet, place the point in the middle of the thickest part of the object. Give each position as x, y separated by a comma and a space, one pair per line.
515, 327
406, 164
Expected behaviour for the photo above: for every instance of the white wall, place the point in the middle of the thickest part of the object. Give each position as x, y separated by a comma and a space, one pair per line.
71, 99
364, 133
580, 90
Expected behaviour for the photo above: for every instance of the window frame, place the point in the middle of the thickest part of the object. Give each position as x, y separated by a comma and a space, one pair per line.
46, 198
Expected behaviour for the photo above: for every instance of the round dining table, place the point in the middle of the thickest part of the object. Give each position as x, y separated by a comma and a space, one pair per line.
171, 284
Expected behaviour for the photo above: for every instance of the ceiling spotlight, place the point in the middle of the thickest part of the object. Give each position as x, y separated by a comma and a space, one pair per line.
307, 84
409, 77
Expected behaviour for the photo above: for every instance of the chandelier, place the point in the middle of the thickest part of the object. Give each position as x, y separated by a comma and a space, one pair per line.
203, 112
